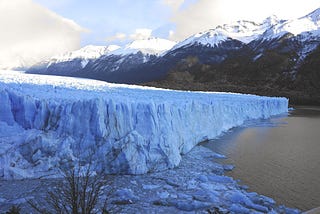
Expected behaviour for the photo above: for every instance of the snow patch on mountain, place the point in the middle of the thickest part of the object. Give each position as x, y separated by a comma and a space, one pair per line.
49, 121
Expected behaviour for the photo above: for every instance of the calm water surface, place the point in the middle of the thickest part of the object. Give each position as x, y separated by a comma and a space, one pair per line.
278, 157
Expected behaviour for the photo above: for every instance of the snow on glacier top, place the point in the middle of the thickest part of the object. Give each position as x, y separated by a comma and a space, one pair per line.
70, 88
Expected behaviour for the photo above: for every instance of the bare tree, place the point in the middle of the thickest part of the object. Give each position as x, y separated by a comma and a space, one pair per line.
78, 192
14, 210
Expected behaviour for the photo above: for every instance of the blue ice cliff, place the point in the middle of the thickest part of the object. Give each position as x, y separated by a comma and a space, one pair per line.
48, 121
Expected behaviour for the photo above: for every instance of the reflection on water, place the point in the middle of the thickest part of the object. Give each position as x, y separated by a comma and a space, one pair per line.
279, 157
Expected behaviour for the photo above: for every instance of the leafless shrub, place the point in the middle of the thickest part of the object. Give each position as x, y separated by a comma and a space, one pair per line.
78, 192
14, 210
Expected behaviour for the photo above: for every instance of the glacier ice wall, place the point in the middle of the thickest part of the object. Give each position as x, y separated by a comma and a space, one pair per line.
45, 123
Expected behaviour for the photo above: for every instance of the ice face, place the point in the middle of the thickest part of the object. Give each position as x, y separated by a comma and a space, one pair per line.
46, 123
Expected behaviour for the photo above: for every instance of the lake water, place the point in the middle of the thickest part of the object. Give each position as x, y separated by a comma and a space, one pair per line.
278, 157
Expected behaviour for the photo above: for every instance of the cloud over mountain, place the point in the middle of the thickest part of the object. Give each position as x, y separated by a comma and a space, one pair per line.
30, 32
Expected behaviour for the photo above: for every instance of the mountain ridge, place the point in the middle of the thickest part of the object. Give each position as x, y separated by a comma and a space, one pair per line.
244, 54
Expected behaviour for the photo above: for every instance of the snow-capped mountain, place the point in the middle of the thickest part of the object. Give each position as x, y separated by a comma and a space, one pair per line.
306, 24
273, 52
275, 57
299, 36
303, 29
150, 46
302, 35
244, 31
103, 59
87, 52
72, 61
129, 63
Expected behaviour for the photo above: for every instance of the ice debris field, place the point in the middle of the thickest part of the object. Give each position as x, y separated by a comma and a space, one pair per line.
48, 121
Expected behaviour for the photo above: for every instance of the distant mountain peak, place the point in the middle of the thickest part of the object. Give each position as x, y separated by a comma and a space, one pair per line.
86, 52
152, 46
309, 23
113, 47
211, 38
314, 15
271, 20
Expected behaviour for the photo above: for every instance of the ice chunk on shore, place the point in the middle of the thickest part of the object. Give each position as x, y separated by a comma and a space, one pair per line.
47, 121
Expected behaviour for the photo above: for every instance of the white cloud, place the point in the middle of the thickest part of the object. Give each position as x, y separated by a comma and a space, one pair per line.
54, 4
142, 33
139, 34
117, 37
205, 14
174, 4
30, 33
171, 33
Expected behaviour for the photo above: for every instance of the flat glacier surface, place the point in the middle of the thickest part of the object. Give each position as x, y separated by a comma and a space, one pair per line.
47, 122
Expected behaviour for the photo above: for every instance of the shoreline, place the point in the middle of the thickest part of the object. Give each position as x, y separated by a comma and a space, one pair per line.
197, 185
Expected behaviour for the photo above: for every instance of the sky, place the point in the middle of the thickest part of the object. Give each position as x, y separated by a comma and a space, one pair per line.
34, 30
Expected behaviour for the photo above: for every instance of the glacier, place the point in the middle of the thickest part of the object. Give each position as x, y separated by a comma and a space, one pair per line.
47, 122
